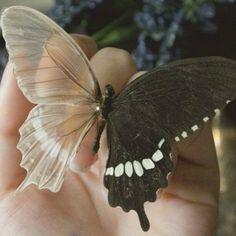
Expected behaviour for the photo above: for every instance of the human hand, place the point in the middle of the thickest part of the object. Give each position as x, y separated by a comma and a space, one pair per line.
187, 207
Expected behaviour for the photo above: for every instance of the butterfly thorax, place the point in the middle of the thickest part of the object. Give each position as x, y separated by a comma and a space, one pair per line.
105, 106
104, 109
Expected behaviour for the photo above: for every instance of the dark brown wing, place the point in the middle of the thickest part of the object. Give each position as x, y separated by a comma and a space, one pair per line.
167, 103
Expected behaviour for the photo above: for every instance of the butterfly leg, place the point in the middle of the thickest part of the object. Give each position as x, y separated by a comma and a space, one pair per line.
100, 127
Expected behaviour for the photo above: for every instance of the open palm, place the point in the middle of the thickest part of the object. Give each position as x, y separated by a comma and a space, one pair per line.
187, 207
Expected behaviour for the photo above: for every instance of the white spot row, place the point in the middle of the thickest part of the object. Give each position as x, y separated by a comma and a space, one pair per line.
129, 168
136, 167
195, 127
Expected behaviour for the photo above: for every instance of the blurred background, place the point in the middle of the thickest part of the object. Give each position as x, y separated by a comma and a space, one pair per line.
156, 32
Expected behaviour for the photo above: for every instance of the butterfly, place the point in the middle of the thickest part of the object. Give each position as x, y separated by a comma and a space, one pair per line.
164, 105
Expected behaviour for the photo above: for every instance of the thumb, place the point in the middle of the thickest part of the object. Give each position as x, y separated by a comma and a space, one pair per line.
14, 109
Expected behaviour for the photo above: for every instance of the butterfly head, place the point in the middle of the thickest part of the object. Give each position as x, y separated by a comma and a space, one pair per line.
109, 91
105, 107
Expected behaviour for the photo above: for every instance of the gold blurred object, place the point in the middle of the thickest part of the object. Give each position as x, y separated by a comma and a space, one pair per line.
224, 131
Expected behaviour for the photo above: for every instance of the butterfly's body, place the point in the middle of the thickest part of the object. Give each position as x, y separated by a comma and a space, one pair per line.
106, 104
103, 109
164, 105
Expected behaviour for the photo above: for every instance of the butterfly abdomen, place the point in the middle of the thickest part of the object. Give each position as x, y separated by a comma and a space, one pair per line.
104, 108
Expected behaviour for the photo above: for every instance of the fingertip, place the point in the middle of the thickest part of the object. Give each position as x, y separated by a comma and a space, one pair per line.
87, 44
113, 66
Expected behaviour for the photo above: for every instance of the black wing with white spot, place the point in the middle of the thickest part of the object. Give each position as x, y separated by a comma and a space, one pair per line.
183, 95
139, 161
167, 103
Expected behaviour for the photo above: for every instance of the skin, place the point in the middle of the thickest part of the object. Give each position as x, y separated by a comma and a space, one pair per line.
187, 207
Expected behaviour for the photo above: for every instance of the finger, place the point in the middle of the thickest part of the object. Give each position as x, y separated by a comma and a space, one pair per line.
14, 110
14, 107
111, 66
196, 177
194, 186
87, 44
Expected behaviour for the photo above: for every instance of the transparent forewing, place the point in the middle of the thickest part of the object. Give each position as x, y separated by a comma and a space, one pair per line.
49, 66
50, 137
52, 71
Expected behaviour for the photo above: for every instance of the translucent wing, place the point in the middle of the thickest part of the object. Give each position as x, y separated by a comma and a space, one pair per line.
167, 103
52, 71
48, 64
49, 140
